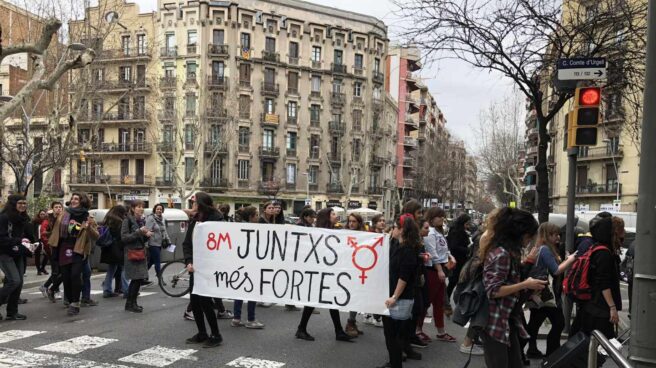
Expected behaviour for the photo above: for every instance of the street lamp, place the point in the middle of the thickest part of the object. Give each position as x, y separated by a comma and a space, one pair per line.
617, 173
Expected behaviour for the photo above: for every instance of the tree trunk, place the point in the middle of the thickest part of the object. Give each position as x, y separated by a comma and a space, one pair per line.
543, 172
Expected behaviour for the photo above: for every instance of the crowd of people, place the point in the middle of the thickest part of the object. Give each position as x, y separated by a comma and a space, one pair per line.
517, 264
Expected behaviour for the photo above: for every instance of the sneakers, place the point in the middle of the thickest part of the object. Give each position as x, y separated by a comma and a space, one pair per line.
51, 295
44, 291
416, 342
188, 315
147, 283
255, 325
369, 320
15, 317
73, 310
476, 350
534, 353
445, 337
88, 303
303, 335
109, 294
291, 308
22, 301
225, 315
197, 339
264, 305
236, 323
213, 341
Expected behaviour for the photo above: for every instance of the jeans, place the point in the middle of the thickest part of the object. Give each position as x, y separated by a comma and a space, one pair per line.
115, 272
250, 306
14, 269
154, 258
86, 280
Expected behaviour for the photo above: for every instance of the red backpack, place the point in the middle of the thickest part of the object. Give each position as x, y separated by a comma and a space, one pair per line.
576, 284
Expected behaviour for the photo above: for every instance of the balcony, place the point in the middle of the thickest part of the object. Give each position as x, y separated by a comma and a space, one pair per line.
167, 115
271, 56
142, 148
217, 83
214, 183
215, 50
191, 78
421, 135
377, 104
113, 117
337, 98
315, 124
292, 121
600, 153
293, 60
165, 147
377, 161
268, 187
378, 77
215, 146
409, 141
373, 190
411, 123
122, 55
334, 188
168, 52
532, 133
532, 151
316, 95
192, 50
551, 161
291, 152
338, 68
216, 113
358, 70
270, 153
409, 183
267, 119
599, 190
164, 182
139, 179
337, 128
316, 64
118, 86
409, 161
244, 53
270, 89
243, 83
168, 82
335, 158
244, 148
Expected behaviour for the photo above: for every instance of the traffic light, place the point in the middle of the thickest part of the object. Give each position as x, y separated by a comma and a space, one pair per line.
584, 117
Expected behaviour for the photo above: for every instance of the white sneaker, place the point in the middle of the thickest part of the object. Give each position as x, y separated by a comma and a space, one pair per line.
43, 291
378, 323
369, 319
476, 350
236, 323
255, 325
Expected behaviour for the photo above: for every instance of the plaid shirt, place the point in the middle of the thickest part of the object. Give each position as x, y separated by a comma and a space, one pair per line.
498, 271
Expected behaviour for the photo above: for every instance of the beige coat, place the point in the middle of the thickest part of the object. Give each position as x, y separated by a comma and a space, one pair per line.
84, 241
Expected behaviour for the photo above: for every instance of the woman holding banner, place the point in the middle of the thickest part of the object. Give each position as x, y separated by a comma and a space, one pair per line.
201, 306
326, 218
355, 223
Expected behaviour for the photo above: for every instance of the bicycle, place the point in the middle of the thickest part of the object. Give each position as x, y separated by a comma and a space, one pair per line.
175, 280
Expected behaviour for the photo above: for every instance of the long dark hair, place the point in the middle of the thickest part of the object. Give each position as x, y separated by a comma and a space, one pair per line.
323, 218
411, 207
247, 212
305, 213
205, 206
12, 212
359, 219
512, 225
457, 233
37, 220
410, 231
115, 216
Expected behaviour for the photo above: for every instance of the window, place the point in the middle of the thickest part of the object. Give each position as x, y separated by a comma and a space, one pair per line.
170, 42
191, 70
267, 139
123, 108
315, 144
373, 179
216, 170
270, 44
189, 135
269, 76
125, 45
245, 74
244, 136
338, 57
269, 107
218, 36
337, 118
581, 177
359, 61
192, 38
190, 163
357, 149
291, 141
125, 73
316, 54
377, 93
291, 173
292, 82
244, 170
218, 70
293, 49
167, 171
244, 107
191, 104
335, 146
313, 174
139, 103
315, 113
611, 178
215, 134
337, 86
334, 176
141, 44
613, 145
245, 41
357, 119
357, 89
377, 65
292, 109
316, 83
167, 134
169, 72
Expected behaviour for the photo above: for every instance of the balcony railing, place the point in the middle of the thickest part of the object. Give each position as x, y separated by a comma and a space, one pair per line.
191, 78
217, 82
291, 152
358, 70
214, 183
214, 112
269, 152
377, 161
110, 117
244, 148
218, 50
378, 77
164, 182
338, 98
316, 64
532, 150
410, 122
167, 115
334, 188
244, 83
136, 147
315, 123
337, 127
270, 119
293, 60
409, 161
409, 141
213, 146
375, 190
409, 183
117, 85
169, 52
165, 147
292, 120
270, 88
168, 82
115, 54
610, 189
377, 103
271, 56
268, 187
600, 153
138, 179
192, 49
292, 90
338, 68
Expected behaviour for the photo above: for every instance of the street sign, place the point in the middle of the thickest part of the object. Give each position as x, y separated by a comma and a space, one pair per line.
581, 69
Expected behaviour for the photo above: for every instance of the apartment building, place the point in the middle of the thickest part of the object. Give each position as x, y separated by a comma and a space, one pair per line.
113, 102
528, 160
401, 83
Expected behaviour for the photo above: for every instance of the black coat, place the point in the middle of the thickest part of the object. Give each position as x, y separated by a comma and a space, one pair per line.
188, 243
114, 253
10, 243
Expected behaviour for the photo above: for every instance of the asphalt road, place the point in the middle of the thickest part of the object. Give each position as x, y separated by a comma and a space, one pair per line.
106, 336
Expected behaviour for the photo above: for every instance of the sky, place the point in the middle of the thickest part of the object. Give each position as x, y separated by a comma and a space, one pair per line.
460, 91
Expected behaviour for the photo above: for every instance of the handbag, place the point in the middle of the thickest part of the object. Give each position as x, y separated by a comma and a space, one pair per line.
137, 255
166, 242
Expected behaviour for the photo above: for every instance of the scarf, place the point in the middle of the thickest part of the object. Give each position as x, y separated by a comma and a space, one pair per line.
71, 216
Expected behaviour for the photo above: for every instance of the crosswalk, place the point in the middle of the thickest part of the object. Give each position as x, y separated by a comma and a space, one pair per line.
66, 353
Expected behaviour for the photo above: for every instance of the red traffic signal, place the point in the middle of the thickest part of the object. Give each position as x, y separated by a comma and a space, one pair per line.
589, 96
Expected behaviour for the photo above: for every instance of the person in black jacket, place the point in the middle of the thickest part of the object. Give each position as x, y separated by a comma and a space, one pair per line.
14, 232
459, 242
112, 256
201, 306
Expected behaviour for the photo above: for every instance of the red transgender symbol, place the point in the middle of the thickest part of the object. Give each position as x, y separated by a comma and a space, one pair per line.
372, 248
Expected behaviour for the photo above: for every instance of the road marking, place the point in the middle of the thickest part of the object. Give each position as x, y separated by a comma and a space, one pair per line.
77, 345
12, 358
146, 293
245, 362
12, 335
159, 356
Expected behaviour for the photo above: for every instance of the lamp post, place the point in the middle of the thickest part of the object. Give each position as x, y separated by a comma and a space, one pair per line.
612, 152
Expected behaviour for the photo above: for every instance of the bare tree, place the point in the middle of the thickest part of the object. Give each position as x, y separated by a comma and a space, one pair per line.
500, 140
523, 39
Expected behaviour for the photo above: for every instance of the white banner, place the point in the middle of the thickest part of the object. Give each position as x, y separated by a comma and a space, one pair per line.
286, 264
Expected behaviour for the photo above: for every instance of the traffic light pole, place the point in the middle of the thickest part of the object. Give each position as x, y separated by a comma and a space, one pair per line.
643, 334
572, 154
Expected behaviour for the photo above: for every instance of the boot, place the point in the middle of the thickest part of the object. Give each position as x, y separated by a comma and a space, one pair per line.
351, 329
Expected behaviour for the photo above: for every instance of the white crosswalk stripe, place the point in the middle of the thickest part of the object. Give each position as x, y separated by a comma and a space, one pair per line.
12, 358
246, 362
77, 345
12, 335
159, 356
